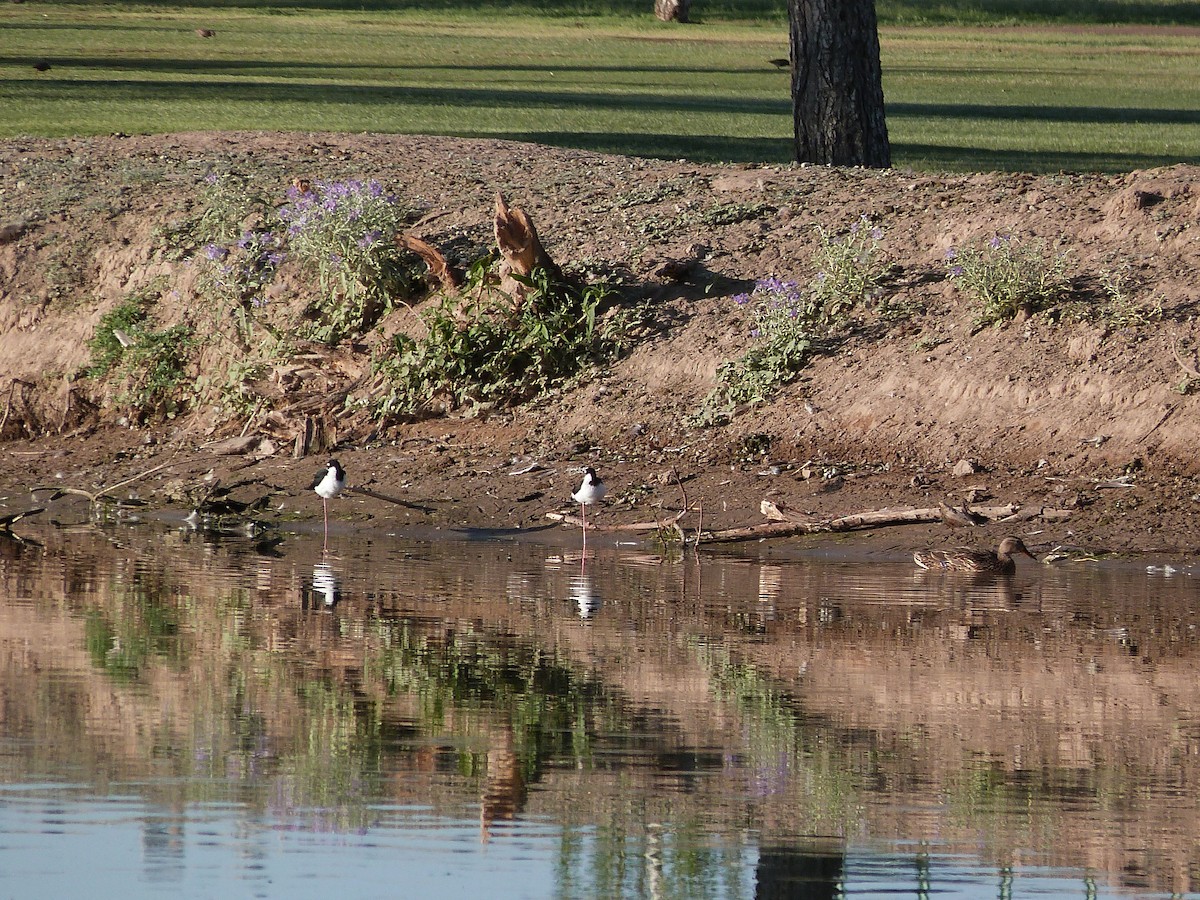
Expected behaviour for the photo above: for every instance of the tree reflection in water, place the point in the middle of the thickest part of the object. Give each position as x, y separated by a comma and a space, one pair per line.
722, 727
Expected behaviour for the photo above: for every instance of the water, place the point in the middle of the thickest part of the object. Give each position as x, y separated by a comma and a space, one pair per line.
462, 715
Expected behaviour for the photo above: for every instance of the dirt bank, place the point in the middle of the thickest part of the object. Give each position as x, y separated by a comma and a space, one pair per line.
1086, 409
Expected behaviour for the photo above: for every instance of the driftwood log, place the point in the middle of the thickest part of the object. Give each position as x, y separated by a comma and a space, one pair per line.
791, 526
440, 269
517, 241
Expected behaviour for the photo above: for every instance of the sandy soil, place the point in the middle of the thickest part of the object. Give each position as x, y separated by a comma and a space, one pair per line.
1090, 418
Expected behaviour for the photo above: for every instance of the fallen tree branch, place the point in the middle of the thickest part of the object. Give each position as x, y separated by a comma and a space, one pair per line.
440, 269
869, 519
94, 496
634, 527
367, 492
881, 518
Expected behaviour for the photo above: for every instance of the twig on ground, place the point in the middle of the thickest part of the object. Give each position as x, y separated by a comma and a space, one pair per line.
367, 492
94, 496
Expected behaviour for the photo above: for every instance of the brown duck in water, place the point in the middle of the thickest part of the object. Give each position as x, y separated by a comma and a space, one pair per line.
1000, 562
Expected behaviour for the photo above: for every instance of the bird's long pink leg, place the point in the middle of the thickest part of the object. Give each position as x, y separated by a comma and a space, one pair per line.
583, 513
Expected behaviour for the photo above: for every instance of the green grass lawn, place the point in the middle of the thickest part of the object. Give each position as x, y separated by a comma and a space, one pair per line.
1035, 97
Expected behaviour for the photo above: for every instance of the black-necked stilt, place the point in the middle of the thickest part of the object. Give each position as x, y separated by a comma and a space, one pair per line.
329, 483
591, 490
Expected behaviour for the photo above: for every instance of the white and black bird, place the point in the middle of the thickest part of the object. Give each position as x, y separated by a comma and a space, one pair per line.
591, 490
329, 483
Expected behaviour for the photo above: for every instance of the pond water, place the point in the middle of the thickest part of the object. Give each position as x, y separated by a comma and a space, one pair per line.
474, 715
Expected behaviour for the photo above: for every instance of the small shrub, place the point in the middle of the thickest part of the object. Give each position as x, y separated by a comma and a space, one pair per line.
107, 348
482, 350
237, 277
848, 269
346, 231
788, 322
154, 381
1118, 309
147, 367
1004, 277
227, 202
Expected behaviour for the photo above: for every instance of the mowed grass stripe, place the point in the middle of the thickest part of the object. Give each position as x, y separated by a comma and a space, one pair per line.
964, 98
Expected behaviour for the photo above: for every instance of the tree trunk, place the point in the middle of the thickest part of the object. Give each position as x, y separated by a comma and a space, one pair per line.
837, 88
672, 10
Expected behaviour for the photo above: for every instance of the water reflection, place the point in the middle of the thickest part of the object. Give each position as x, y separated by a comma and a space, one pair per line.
723, 726
583, 593
325, 586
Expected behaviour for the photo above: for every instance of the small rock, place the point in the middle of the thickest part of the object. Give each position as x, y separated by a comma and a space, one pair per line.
965, 467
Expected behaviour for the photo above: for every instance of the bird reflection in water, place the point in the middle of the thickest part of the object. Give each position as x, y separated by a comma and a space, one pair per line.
583, 592
326, 590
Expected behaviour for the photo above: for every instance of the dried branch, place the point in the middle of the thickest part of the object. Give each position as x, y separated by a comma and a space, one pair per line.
367, 492
635, 527
94, 496
439, 267
870, 519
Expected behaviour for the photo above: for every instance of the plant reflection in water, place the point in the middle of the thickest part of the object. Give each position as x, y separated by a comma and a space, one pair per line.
780, 722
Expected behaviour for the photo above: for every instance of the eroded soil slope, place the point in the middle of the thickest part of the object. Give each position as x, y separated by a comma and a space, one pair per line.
1086, 408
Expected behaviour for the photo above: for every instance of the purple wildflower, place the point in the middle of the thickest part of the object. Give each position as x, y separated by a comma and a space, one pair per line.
956, 271
215, 252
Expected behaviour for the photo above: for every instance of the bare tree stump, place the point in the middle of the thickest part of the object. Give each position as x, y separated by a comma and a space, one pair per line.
672, 10
521, 251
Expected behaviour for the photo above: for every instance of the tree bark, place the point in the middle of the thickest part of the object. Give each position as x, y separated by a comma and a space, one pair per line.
672, 10
837, 87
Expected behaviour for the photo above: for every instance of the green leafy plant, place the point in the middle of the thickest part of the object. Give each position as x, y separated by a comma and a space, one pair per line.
147, 367
1005, 276
1118, 308
227, 201
154, 370
345, 230
789, 322
106, 342
849, 269
480, 349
